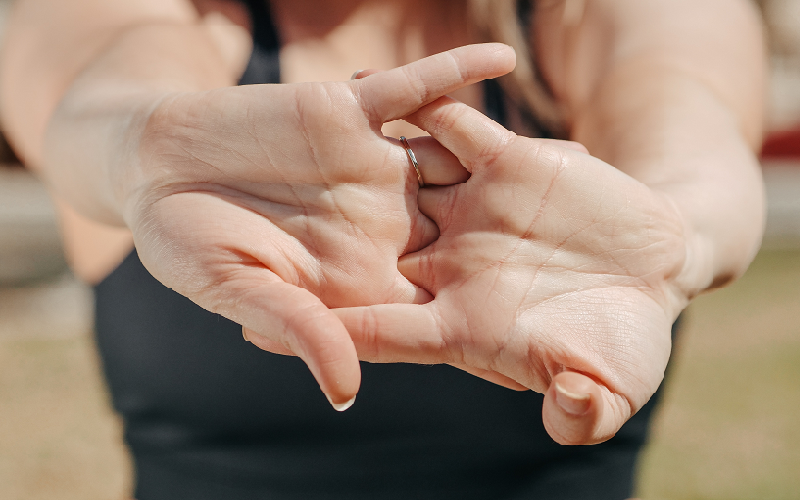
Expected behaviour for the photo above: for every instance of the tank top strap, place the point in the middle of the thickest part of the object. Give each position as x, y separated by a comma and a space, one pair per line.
264, 64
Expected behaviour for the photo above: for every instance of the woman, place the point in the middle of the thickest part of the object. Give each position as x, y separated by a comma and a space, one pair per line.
547, 269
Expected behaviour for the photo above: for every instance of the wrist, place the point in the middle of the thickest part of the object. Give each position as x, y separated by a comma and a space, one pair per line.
90, 149
722, 226
133, 173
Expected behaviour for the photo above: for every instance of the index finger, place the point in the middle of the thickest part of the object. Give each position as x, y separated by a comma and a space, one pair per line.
390, 95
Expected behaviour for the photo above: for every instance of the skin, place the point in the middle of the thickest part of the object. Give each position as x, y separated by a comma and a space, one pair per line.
272, 227
507, 307
554, 271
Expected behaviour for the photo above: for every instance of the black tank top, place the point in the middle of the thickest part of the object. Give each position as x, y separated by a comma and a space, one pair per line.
210, 416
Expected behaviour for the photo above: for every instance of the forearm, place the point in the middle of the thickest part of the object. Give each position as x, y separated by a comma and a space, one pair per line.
678, 108
76, 119
675, 135
91, 143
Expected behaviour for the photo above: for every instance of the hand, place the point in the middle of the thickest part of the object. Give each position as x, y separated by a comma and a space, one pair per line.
270, 203
553, 272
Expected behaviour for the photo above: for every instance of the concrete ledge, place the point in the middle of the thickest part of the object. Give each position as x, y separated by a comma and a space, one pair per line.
30, 245
61, 309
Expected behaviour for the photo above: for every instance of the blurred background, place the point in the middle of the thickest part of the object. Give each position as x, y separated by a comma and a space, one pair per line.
726, 428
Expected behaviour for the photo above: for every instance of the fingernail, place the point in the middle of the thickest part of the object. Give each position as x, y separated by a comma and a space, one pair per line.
573, 403
356, 74
244, 334
341, 406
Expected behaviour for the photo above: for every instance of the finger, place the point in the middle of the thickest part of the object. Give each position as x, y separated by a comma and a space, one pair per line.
437, 166
264, 343
423, 233
393, 94
290, 320
407, 292
470, 135
397, 333
573, 145
220, 263
437, 204
579, 411
436, 163
492, 376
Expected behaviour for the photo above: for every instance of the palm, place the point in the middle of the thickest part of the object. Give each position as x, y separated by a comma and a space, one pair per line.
529, 251
548, 260
270, 203
322, 201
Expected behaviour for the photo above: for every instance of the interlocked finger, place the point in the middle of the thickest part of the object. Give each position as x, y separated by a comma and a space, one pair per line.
437, 165
470, 135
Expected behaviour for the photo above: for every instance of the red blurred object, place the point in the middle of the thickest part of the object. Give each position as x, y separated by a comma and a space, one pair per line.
782, 145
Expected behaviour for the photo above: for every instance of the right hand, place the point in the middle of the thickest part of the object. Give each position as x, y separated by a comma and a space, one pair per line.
554, 272
268, 204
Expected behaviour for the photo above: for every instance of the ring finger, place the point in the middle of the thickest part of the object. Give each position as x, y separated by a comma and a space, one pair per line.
437, 165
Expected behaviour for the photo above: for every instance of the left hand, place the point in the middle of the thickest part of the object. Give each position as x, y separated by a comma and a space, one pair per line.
554, 272
269, 204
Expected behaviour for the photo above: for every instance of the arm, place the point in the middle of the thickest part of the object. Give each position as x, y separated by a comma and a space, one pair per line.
691, 73
78, 74
49, 44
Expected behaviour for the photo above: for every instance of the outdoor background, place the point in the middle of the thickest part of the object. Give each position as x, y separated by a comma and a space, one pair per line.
727, 429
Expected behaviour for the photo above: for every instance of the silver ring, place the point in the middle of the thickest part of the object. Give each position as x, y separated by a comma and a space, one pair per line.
413, 158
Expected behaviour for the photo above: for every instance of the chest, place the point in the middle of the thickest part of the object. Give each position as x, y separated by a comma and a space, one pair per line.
331, 42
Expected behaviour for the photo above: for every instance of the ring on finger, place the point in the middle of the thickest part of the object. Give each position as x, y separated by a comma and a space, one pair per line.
413, 158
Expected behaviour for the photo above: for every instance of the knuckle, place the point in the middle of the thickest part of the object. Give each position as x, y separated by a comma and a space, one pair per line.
416, 83
460, 68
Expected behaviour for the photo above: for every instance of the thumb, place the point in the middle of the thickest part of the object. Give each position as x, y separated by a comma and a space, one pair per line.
578, 410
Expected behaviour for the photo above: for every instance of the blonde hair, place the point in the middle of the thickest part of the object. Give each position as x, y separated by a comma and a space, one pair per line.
498, 21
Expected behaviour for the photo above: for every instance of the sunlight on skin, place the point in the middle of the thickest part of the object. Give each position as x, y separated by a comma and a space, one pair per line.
571, 293
272, 231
